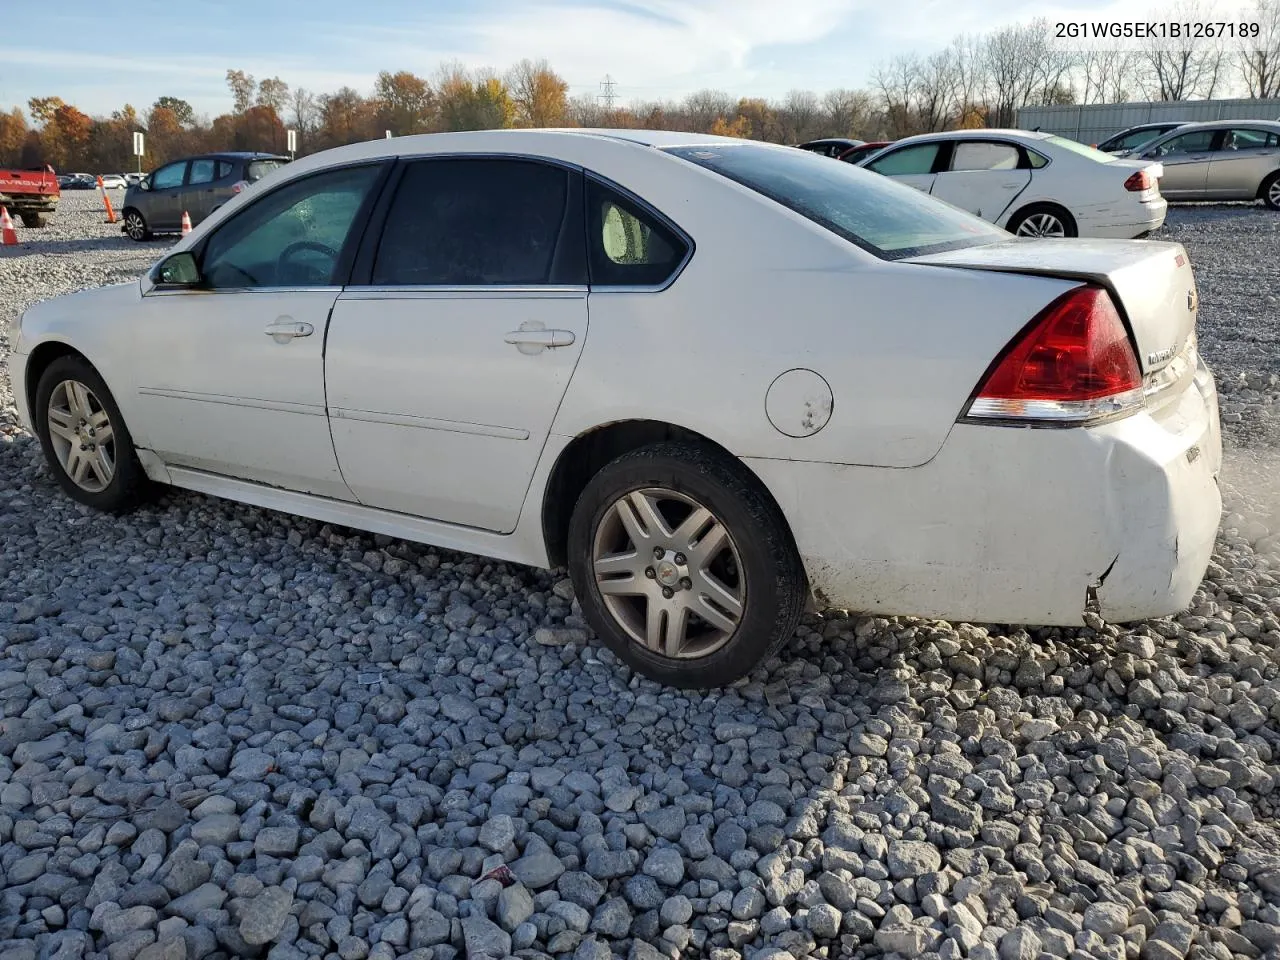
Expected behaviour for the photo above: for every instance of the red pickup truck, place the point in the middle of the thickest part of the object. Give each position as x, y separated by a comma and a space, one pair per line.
31, 194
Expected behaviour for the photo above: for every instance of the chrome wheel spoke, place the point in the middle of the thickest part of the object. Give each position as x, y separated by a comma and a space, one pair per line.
102, 435
668, 572
80, 472
100, 463
61, 424
82, 436
675, 628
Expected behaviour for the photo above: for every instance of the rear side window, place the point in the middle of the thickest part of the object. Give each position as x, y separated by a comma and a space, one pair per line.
881, 215
627, 244
1248, 139
260, 168
983, 155
907, 161
225, 169
1198, 141
473, 222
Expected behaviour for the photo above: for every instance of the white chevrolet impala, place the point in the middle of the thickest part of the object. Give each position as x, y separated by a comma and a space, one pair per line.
718, 379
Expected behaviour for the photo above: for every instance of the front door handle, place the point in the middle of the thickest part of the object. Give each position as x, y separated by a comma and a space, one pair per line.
532, 337
285, 329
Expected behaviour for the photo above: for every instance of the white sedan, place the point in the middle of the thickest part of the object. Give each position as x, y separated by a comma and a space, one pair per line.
717, 379
114, 181
1032, 184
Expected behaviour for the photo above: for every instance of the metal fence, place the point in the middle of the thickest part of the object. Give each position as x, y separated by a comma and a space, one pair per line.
1095, 122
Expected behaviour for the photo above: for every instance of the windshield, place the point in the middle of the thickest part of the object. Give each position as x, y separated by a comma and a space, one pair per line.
260, 168
1084, 151
888, 219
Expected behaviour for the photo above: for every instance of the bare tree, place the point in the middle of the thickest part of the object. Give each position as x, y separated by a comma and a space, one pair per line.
1260, 63
799, 116
585, 110
971, 76
1013, 70
303, 106
1192, 68
1106, 75
896, 82
936, 91
847, 112
705, 107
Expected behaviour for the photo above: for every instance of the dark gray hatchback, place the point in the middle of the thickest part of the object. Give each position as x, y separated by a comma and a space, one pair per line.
195, 186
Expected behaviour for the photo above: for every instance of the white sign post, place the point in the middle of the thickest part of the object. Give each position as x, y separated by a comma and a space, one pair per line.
138, 147
388, 134
293, 142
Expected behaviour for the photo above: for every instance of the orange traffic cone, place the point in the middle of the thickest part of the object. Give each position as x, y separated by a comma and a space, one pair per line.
186, 223
111, 214
8, 235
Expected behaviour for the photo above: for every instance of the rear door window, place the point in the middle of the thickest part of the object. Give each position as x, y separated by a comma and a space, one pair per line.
225, 169
475, 222
984, 155
202, 171
1197, 141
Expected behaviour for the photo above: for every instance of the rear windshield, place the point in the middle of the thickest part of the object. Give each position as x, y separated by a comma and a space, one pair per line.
1076, 147
889, 219
260, 168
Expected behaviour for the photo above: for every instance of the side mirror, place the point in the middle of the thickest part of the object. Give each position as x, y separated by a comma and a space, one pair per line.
144, 183
178, 270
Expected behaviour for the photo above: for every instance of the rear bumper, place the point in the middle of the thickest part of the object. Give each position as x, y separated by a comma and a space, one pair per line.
1133, 221
1016, 525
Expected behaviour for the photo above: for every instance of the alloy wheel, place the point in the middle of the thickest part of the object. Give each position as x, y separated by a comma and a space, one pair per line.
669, 573
1273, 193
1042, 225
135, 226
82, 436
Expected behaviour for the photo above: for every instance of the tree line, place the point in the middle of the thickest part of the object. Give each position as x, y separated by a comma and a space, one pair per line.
976, 81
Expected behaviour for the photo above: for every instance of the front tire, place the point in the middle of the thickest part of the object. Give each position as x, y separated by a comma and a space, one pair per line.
135, 226
684, 566
85, 440
1270, 191
34, 220
1043, 220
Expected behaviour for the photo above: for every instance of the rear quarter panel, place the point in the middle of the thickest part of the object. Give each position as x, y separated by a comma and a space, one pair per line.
902, 346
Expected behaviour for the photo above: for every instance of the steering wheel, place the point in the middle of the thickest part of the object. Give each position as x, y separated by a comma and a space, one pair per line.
283, 266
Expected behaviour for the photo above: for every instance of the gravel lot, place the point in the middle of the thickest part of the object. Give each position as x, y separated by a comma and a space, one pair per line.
226, 732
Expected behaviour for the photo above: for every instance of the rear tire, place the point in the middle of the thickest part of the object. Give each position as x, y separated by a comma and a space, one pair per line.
1043, 220
85, 440
35, 220
135, 225
1270, 191
727, 592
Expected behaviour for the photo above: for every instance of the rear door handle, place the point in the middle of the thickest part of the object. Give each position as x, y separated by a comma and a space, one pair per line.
285, 329
533, 338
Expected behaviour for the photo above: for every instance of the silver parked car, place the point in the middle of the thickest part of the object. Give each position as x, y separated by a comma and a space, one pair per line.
196, 186
1222, 160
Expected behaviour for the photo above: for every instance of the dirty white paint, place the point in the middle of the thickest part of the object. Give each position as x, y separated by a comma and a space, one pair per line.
799, 403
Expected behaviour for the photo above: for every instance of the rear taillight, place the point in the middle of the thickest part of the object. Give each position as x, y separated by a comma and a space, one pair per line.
1073, 364
1142, 180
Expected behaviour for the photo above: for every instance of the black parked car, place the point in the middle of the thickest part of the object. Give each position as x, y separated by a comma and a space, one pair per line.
196, 186
830, 146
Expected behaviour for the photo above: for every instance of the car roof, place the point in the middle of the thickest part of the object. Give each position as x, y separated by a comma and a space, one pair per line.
1228, 124
981, 133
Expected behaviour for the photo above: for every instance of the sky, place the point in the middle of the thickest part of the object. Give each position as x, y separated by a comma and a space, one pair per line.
100, 56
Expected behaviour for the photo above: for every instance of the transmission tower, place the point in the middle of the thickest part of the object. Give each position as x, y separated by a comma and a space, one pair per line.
608, 96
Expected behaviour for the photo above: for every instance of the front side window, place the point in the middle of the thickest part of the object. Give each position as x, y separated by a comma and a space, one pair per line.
202, 171
473, 222
293, 236
1198, 141
984, 155
627, 245
878, 214
166, 178
907, 161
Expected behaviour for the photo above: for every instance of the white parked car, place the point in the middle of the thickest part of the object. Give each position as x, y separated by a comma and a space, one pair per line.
718, 379
113, 181
1033, 184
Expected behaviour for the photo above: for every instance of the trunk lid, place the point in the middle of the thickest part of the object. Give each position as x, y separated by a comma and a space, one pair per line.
1150, 281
